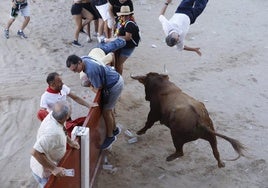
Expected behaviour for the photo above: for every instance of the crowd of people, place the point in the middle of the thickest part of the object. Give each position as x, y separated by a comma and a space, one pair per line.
112, 19
118, 35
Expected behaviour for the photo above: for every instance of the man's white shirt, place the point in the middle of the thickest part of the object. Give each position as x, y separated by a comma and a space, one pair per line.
49, 99
179, 23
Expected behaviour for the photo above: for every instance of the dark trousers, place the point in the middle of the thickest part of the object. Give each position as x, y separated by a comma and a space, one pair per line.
192, 8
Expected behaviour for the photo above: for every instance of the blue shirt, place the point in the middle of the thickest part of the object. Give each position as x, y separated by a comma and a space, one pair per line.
96, 73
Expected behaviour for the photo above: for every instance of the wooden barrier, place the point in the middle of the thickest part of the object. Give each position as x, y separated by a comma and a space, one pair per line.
72, 158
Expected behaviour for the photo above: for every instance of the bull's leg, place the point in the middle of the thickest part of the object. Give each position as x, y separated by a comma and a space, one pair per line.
178, 144
213, 142
151, 119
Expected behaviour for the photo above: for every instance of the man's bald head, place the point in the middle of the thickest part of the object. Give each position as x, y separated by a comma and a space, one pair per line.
61, 111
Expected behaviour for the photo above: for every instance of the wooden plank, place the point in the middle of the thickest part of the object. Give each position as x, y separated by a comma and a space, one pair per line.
72, 157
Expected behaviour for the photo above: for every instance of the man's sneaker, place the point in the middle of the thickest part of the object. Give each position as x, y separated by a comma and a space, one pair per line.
108, 142
117, 131
21, 34
6, 32
101, 39
76, 44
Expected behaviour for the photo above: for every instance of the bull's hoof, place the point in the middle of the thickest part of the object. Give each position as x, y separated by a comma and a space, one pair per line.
221, 164
140, 132
174, 156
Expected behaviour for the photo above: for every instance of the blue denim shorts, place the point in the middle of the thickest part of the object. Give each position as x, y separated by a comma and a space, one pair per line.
112, 46
126, 52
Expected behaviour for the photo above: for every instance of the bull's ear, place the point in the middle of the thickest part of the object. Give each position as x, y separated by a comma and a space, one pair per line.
141, 79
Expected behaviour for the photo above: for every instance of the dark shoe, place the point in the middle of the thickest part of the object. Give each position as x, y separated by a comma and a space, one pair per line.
117, 131
22, 35
108, 142
76, 44
89, 39
6, 32
83, 31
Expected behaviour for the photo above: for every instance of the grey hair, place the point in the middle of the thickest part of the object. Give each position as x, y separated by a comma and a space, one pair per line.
61, 110
170, 40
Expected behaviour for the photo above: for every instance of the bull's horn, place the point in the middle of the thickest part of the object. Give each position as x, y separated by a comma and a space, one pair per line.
141, 79
132, 75
165, 69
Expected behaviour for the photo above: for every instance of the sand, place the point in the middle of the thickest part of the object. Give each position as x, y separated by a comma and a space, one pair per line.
230, 78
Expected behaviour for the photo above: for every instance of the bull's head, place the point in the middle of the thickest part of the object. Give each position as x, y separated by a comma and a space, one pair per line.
151, 82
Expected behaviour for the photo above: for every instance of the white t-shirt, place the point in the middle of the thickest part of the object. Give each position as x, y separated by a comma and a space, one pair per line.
178, 23
51, 140
49, 99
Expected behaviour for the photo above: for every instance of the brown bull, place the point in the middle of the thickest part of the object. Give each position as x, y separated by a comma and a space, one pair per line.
187, 118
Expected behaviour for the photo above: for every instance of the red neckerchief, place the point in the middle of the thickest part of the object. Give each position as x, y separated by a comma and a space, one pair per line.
52, 91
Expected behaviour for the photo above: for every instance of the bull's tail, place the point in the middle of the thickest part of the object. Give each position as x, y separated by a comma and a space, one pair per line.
238, 146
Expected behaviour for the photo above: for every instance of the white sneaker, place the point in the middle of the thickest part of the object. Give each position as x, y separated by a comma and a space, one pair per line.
101, 39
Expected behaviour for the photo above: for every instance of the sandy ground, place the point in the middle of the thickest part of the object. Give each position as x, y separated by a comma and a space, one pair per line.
230, 78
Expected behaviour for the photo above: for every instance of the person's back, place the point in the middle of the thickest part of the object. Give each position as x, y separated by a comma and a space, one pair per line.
130, 27
51, 132
50, 145
92, 67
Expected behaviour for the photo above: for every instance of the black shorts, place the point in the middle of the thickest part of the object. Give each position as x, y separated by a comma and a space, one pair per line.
76, 9
92, 9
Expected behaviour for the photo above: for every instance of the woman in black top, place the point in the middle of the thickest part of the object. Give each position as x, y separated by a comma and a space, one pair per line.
128, 30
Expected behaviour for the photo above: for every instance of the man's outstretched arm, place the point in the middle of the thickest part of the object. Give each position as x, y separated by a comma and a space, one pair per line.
197, 50
163, 10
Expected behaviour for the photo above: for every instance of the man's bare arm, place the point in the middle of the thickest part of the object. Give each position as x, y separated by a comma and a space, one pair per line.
81, 101
163, 10
197, 50
46, 163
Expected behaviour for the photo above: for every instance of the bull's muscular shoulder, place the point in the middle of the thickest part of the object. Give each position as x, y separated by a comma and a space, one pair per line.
170, 88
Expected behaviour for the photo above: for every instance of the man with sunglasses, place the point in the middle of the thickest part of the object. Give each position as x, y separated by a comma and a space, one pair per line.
105, 78
177, 27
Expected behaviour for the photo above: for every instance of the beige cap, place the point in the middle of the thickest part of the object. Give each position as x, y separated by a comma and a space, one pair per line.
99, 55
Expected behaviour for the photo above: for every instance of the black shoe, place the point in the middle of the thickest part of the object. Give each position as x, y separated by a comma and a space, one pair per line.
117, 131
82, 31
21, 35
6, 32
76, 44
108, 142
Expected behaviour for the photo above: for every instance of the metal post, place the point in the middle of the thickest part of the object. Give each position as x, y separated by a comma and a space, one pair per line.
84, 148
